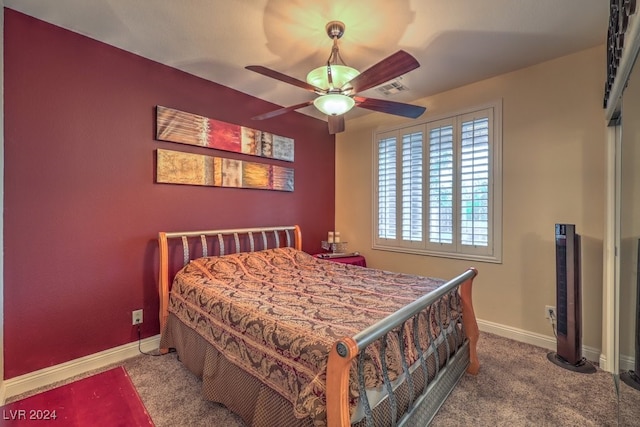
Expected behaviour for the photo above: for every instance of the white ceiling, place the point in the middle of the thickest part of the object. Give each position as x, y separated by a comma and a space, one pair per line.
456, 41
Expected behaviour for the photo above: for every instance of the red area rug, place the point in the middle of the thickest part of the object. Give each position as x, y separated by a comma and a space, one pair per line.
105, 399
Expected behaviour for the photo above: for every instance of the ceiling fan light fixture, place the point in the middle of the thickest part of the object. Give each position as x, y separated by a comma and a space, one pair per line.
337, 98
340, 74
334, 104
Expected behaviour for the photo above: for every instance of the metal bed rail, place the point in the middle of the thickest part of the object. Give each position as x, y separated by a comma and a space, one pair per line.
347, 349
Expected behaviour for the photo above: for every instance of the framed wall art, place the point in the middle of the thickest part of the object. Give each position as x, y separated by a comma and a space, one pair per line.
177, 167
187, 128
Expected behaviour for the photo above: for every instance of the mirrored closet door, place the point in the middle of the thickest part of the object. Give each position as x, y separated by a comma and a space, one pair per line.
629, 256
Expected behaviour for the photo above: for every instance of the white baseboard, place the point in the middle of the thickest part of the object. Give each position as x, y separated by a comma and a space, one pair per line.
604, 363
590, 353
627, 363
44, 377
63, 371
544, 341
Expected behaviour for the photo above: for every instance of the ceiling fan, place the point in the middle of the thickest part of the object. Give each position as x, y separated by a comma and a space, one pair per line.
337, 84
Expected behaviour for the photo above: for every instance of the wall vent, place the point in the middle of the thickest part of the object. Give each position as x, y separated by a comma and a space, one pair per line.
393, 87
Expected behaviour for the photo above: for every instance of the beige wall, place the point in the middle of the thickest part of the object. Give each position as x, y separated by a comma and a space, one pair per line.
553, 171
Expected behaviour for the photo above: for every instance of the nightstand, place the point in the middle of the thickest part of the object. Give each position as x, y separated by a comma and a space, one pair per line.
353, 260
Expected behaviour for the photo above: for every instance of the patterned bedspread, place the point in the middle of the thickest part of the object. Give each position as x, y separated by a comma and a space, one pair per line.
277, 313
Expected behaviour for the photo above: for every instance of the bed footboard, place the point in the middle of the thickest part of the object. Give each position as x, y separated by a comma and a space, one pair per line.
435, 390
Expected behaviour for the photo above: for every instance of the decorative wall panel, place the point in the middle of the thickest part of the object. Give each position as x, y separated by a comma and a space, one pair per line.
176, 167
186, 128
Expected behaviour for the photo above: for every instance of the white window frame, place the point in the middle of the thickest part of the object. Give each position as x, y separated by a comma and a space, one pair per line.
490, 253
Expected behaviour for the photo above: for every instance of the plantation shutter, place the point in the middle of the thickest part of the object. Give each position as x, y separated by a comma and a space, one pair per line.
441, 184
387, 169
438, 186
412, 187
474, 182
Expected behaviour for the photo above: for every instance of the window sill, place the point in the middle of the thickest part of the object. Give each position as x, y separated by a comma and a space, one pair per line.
424, 252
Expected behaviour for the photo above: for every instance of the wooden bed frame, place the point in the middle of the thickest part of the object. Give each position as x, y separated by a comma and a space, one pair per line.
345, 350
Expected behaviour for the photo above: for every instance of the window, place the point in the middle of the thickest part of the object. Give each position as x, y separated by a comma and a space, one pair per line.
438, 187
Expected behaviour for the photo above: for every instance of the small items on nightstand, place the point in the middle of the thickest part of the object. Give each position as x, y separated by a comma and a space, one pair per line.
337, 251
353, 258
336, 248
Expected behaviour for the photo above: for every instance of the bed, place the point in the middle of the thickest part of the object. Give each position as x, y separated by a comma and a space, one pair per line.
283, 338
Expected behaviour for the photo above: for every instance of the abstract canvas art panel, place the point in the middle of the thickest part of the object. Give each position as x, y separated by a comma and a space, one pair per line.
177, 167
187, 128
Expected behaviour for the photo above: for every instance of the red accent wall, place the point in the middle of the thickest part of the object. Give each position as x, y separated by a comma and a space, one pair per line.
82, 211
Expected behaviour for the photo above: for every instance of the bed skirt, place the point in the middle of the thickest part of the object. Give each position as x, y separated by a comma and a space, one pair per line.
260, 406
225, 383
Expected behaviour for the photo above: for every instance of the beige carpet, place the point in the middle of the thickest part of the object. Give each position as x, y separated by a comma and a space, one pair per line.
517, 386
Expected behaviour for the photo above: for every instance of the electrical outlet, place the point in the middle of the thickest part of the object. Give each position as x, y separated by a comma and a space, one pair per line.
550, 313
136, 317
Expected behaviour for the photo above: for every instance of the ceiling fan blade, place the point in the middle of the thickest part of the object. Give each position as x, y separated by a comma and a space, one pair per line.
280, 111
336, 124
282, 77
390, 107
388, 69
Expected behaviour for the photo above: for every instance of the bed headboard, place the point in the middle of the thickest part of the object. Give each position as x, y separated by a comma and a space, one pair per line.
196, 244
